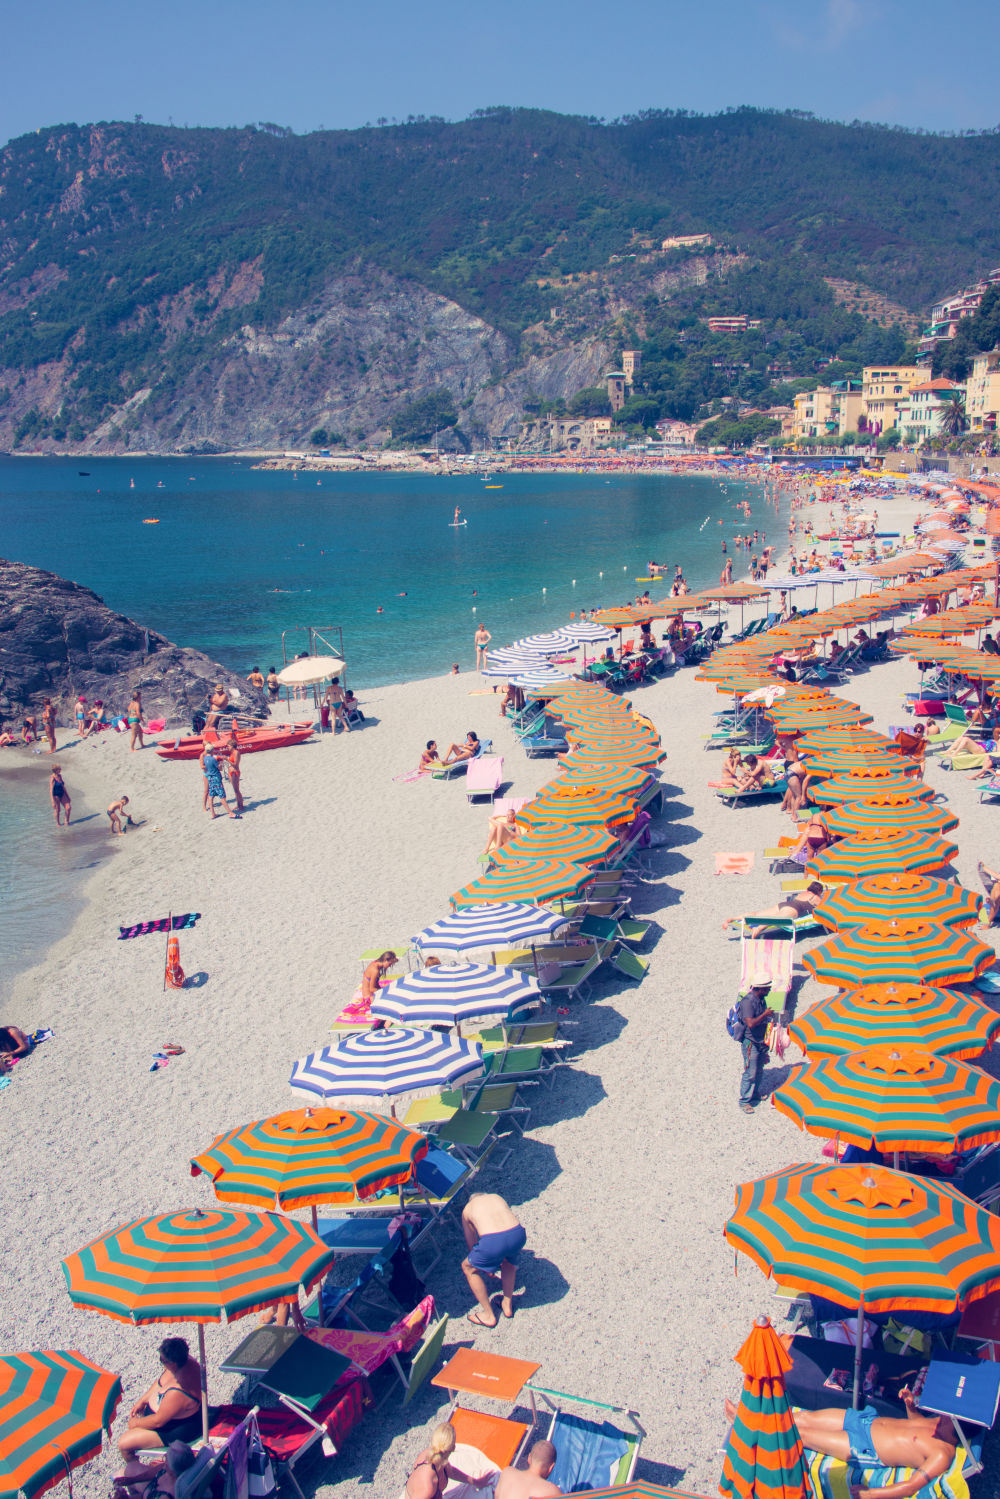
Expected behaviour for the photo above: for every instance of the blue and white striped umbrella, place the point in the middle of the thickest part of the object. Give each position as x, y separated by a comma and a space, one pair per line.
541, 676
550, 643
588, 629
384, 1063
490, 926
452, 992
508, 663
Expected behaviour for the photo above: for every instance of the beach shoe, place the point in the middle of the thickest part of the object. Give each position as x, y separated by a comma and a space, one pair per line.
748, 1108
171, 1049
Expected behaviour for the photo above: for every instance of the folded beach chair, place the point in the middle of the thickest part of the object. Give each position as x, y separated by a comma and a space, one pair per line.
766, 957
597, 1450
290, 1432
484, 776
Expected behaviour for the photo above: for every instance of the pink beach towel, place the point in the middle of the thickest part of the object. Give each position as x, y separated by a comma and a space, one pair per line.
734, 863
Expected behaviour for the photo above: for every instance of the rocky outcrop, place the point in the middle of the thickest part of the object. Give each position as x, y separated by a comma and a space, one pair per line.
58, 639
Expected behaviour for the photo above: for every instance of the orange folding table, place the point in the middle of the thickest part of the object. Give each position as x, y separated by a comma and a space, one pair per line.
492, 1376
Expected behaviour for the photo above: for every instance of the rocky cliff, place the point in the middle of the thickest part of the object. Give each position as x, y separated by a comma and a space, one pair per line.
58, 640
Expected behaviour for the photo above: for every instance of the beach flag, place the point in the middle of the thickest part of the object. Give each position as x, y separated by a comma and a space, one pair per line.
162, 924
764, 1455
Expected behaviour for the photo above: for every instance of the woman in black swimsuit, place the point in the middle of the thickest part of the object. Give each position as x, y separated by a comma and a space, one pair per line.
59, 795
432, 1470
170, 1410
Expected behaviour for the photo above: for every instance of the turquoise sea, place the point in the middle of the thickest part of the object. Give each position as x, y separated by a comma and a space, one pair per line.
240, 555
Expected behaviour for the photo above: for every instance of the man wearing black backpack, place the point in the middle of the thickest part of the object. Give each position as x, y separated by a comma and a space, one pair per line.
753, 1016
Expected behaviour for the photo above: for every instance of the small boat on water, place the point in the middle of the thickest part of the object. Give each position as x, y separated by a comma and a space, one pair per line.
249, 741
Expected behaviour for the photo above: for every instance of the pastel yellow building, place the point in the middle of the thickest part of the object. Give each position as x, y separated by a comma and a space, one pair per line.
982, 393
813, 414
885, 390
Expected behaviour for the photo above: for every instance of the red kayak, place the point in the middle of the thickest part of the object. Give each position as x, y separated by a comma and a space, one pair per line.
248, 742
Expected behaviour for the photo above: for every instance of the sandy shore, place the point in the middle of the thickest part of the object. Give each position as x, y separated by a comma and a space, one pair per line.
627, 1172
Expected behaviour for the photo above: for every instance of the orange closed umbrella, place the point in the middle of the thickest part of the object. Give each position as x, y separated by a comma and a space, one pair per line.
764, 1457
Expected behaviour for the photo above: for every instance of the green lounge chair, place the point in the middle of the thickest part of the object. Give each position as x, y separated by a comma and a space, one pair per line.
629, 963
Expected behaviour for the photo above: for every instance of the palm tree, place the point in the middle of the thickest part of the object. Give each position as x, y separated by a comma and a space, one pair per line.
953, 418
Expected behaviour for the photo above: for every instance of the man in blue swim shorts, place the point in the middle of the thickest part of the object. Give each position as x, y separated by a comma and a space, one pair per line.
495, 1239
924, 1444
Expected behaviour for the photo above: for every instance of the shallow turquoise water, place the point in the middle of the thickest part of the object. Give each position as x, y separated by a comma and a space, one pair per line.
241, 555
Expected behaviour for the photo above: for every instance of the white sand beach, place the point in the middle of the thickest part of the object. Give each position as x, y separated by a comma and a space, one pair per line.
626, 1173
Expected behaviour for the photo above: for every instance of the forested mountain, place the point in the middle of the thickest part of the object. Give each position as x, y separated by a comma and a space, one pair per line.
166, 287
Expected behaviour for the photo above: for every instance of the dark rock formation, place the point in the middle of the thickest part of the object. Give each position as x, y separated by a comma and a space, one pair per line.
58, 640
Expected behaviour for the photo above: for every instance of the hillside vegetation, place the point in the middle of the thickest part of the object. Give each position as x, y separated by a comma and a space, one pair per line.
150, 272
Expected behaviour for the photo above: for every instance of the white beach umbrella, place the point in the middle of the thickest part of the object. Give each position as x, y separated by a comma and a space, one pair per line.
588, 630
550, 643
385, 1063
451, 992
308, 670
506, 663
489, 926
541, 676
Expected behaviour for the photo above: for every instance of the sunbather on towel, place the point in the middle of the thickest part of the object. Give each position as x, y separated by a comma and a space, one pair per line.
359, 1007
502, 830
464, 751
927, 1444
430, 759
791, 909
531, 1482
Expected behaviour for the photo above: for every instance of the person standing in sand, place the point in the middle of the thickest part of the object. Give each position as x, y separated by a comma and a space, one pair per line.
231, 750
49, 724
214, 790
483, 638
134, 715
494, 1238
754, 1016
59, 795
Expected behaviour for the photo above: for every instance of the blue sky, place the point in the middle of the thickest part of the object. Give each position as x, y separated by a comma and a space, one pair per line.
311, 63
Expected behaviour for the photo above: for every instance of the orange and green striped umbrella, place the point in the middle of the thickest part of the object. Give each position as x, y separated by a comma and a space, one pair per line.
558, 840
585, 757
868, 1236
854, 786
583, 802
764, 1458
915, 952
54, 1409
527, 880
898, 893
889, 813
893, 1098
628, 736
879, 851
804, 716
307, 1156
196, 1266
834, 762
617, 777
845, 740
938, 1020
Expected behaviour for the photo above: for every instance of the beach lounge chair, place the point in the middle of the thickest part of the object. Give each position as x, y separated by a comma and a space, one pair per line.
629, 963
290, 1432
569, 981
369, 1350
736, 798
484, 776
763, 955
598, 1450
956, 714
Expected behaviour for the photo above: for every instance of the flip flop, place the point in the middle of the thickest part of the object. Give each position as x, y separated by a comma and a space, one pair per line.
478, 1321
171, 1049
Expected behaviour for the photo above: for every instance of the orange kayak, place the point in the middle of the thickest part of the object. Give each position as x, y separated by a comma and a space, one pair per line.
248, 741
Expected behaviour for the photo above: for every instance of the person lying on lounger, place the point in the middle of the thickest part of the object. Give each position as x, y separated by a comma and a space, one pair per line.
466, 751
927, 1444
790, 909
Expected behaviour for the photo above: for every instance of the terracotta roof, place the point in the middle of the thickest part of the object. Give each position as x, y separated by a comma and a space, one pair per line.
937, 385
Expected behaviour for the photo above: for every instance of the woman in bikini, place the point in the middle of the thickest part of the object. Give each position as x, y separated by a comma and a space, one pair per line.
502, 830
231, 750
432, 1470
170, 1410
134, 714
49, 724
59, 795
731, 767
359, 1007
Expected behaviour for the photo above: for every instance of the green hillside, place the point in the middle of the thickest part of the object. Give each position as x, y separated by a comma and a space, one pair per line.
131, 252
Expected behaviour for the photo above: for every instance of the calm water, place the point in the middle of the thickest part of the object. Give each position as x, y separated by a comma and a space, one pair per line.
239, 556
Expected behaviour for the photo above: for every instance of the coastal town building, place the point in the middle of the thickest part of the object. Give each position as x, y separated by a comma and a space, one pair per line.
813, 414
982, 392
617, 388
631, 362
949, 312
686, 242
738, 324
921, 415
565, 434
673, 434
884, 390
